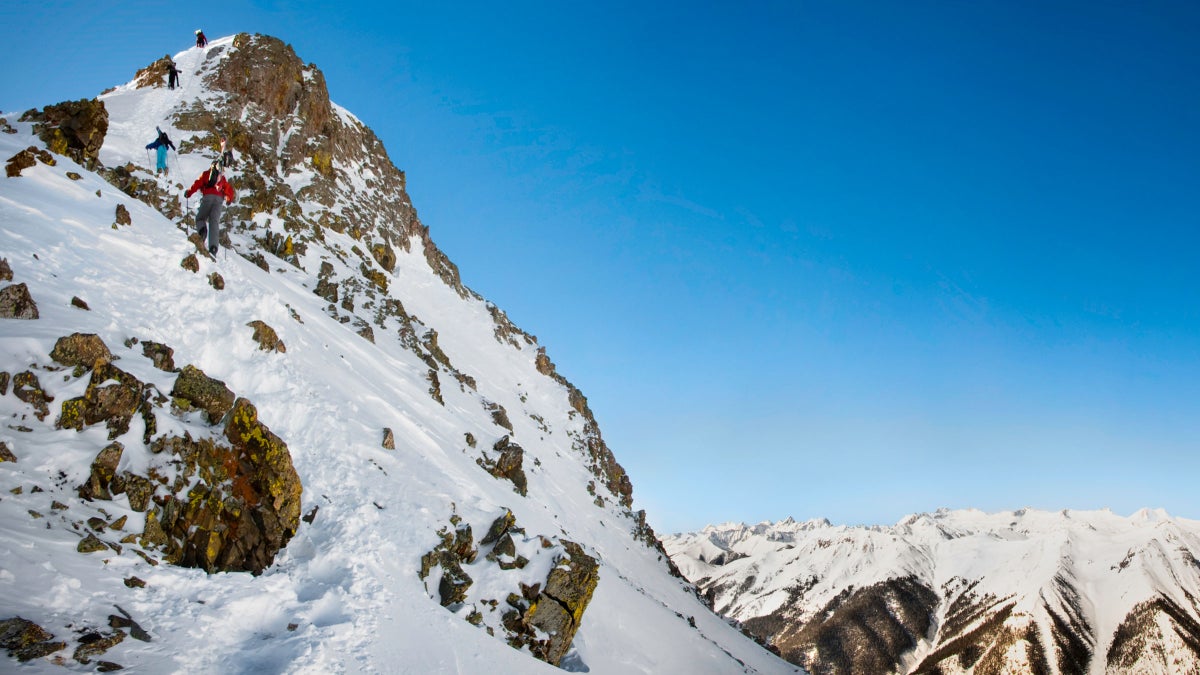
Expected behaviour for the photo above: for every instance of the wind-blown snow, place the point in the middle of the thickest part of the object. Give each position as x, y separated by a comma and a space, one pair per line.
344, 596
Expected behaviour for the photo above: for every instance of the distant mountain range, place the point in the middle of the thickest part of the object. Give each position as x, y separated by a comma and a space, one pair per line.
961, 591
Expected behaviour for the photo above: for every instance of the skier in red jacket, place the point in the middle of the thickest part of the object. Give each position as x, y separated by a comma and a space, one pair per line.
214, 187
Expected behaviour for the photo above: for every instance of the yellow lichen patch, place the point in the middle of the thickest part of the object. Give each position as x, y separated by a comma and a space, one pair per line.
72, 414
323, 163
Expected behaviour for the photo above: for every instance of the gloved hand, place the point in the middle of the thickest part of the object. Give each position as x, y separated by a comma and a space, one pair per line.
188, 194
228, 202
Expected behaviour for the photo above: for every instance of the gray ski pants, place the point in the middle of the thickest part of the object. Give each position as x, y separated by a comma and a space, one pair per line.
209, 216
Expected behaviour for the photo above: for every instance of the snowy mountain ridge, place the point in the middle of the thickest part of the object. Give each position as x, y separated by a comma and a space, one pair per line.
461, 512
961, 591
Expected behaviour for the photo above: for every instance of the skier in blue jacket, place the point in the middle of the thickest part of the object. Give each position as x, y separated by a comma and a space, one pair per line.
161, 144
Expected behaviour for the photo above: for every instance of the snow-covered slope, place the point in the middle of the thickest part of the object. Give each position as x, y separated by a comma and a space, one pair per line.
379, 335
962, 591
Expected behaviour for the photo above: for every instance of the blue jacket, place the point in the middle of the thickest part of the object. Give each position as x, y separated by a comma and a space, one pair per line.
161, 140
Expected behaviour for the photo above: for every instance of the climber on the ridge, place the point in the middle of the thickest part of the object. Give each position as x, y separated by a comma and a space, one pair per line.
172, 75
226, 153
160, 145
201, 41
214, 187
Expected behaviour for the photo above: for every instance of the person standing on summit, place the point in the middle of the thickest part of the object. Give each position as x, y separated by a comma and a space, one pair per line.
214, 187
201, 41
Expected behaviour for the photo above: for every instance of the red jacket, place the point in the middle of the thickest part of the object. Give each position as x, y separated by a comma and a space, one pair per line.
221, 188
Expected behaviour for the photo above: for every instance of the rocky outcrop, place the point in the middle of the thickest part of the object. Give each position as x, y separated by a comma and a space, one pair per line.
507, 464
25, 159
540, 615
73, 128
548, 624
226, 503
243, 503
113, 396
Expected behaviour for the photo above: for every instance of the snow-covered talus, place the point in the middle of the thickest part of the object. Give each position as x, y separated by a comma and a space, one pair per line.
961, 591
416, 415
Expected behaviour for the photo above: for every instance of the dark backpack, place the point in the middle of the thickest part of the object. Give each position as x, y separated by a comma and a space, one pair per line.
213, 175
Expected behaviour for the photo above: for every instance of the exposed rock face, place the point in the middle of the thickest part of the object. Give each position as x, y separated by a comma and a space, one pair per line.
860, 631
1159, 635
74, 128
558, 610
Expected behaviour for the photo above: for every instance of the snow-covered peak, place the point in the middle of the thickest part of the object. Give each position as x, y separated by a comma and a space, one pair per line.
416, 416
1083, 577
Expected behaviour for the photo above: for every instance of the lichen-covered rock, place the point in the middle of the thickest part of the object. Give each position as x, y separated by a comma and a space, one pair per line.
27, 388
153, 75
389, 439
233, 507
508, 464
91, 544
17, 303
6, 454
25, 159
122, 216
161, 355
500, 526
385, 256
198, 390
138, 490
75, 129
6, 273
265, 336
94, 644
499, 414
81, 349
104, 469
25, 640
454, 550
559, 608
113, 396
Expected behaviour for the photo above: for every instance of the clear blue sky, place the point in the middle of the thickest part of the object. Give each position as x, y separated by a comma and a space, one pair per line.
821, 259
